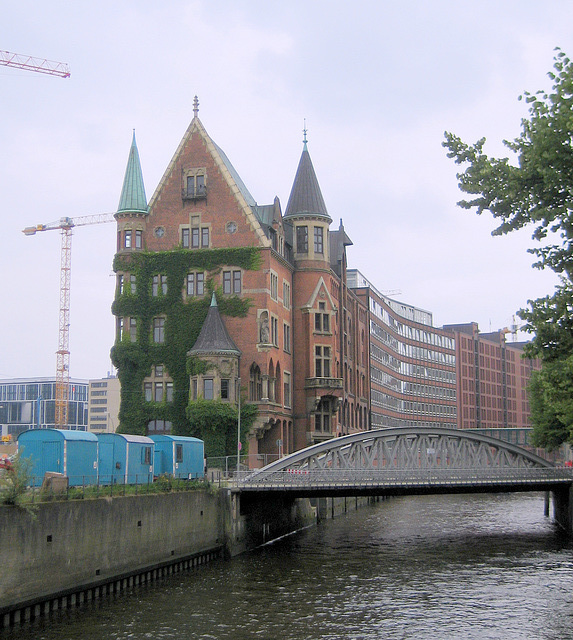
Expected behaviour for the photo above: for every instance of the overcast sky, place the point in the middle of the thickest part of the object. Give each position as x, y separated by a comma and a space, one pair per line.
378, 83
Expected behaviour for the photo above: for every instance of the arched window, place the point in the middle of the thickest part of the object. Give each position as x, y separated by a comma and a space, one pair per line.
278, 383
255, 383
272, 381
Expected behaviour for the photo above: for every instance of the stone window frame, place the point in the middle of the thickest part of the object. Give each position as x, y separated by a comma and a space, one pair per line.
193, 173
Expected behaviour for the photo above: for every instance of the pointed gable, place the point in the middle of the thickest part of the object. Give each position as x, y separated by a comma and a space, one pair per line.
214, 339
306, 197
133, 192
245, 201
322, 290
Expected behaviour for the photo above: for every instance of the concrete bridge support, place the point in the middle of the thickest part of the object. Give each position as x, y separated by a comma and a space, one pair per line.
563, 507
252, 519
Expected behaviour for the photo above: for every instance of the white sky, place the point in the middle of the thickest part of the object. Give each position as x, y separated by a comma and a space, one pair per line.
378, 83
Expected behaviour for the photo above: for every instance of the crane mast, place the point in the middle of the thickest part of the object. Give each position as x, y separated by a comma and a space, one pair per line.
65, 225
39, 65
63, 352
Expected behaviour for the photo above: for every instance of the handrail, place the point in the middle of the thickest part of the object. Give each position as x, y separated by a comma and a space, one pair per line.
299, 478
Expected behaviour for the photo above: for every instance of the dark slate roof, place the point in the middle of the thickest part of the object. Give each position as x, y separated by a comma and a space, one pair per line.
214, 337
133, 192
338, 241
305, 196
236, 177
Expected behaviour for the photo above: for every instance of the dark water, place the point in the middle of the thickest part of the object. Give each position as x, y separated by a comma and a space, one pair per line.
467, 567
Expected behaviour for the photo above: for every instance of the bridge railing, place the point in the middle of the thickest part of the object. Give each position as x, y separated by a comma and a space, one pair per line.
299, 478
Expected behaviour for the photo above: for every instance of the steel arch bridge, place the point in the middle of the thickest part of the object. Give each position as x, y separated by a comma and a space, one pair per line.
407, 460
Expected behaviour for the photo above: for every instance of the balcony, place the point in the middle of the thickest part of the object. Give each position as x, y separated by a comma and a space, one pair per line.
314, 437
323, 383
193, 194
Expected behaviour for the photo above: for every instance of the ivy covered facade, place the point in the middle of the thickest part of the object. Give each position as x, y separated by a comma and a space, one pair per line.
279, 285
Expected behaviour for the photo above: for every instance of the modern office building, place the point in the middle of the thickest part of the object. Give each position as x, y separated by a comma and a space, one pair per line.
412, 363
30, 403
103, 405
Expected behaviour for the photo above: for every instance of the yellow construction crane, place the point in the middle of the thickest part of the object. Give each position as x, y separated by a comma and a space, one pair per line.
39, 65
65, 225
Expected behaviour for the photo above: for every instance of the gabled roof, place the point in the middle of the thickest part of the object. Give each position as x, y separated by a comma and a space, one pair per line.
236, 177
244, 199
133, 192
305, 196
214, 337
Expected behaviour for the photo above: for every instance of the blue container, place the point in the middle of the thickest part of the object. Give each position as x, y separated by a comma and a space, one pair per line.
179, 456
125, 459
72, 453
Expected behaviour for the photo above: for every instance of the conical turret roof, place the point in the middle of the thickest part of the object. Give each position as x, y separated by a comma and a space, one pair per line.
305, 196
214, 337
133, 192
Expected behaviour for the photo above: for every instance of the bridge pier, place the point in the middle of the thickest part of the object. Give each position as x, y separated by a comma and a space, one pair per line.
254, 519
563, 507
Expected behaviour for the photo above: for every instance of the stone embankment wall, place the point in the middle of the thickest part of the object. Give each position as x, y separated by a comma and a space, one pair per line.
67, 553
76, 547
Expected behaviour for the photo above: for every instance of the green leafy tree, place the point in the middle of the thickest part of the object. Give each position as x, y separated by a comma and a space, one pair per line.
14, 483
536, 189
551, 401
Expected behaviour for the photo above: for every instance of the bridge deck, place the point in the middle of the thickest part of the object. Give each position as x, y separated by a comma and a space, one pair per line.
392, 482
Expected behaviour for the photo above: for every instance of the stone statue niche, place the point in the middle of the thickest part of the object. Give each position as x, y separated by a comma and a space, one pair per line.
264, 332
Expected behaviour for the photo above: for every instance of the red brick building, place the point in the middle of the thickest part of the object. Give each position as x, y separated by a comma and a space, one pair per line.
492, 378
321, 351
303, 353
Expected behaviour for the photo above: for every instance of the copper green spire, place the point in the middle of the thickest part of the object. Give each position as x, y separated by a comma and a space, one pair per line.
133, 192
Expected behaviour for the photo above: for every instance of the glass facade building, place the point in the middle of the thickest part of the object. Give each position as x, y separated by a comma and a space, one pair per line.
30, 403
412, 363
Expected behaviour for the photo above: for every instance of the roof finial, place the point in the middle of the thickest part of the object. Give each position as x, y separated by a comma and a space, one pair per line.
304, 134
195, 106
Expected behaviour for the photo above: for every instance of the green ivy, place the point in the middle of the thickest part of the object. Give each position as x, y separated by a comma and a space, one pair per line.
215, 422
183, 322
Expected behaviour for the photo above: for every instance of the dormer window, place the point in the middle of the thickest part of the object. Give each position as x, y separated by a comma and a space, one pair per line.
194, 184
274, 240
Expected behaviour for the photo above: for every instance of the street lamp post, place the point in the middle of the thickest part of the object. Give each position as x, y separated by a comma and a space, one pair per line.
239, 425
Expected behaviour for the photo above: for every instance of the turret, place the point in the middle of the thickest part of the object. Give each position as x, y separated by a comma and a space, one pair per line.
215, 360
307, 213
132, 209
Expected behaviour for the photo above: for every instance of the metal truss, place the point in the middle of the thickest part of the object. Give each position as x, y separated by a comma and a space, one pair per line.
408, 456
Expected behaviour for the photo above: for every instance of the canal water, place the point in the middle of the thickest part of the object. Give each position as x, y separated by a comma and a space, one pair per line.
432, 567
